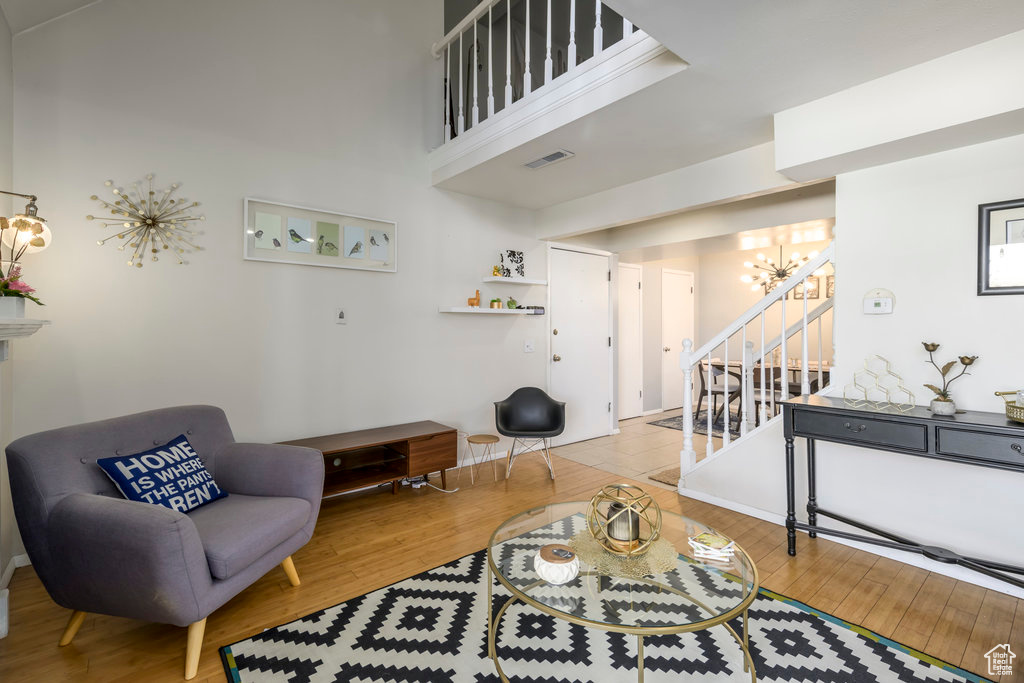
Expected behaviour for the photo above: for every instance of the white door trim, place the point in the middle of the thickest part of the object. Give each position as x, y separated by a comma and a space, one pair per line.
612, 384
640, 276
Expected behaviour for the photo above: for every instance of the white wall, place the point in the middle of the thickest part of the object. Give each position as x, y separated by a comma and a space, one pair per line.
911, 227
279, 101
8, 533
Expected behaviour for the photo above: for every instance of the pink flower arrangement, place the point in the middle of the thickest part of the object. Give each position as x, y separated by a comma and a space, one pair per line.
13, 286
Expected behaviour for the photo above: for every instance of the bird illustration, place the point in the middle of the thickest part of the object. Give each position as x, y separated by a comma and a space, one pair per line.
320, 245
331, 246
373, 241
296, 237
277, 243
357, 248
387, 240
259, 234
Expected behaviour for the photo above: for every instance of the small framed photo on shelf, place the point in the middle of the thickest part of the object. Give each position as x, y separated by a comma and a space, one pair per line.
1001, 247
812, 288
299, 235
830, 286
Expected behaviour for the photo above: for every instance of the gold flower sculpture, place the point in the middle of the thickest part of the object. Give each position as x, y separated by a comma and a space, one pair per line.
149, 222
942, 394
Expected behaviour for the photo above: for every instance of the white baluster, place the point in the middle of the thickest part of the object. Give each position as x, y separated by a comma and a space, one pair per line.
784, 361
820, 386
527, 76
763, 416
447, 95
727, 410
599, 42
462, 118
476, 77
572, 35
805, 384
709, 379
749, 416
508, 53
687, 456
490, 61
548, 64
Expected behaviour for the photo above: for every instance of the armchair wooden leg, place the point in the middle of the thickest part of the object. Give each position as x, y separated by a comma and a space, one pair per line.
193, 648
289, 568
74, 623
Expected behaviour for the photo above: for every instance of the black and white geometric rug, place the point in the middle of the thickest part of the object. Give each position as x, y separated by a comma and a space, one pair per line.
432, 628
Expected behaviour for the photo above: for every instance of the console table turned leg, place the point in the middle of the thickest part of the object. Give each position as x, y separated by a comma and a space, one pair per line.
790, 499
812, 497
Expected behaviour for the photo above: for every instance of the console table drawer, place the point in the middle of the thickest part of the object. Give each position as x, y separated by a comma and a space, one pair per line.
980, 445
437, 452
859, 429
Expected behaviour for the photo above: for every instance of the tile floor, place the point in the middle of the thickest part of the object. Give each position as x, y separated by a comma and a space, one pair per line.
638, 450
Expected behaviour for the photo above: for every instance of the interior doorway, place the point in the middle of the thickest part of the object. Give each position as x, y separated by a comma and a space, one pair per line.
580, 364
677, 324
630, 342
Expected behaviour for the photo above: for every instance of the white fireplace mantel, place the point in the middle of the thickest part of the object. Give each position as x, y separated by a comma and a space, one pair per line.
12, 328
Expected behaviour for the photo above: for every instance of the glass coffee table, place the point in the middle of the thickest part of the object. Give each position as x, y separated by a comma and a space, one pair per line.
694, 595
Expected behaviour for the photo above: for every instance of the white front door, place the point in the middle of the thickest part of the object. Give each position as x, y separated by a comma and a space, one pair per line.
630, 356
580, 349
676, 325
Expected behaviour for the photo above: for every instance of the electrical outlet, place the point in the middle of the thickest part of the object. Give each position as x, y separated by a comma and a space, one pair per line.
339, 316
528, 346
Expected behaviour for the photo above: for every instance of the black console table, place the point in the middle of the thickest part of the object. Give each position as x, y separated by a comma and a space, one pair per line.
971, 438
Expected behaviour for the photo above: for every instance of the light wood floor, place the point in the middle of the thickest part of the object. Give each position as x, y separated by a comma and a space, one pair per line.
368, 540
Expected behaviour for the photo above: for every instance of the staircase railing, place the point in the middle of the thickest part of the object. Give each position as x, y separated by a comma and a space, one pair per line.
494, 22
763, 374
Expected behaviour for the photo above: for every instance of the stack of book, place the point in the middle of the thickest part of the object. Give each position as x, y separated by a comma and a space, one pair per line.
708, 546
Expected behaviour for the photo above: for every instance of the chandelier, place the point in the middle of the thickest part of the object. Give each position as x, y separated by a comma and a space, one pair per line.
772, 272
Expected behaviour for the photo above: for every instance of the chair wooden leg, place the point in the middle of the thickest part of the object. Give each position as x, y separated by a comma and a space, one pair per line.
289, 568
74, 623
547, 458
193, 647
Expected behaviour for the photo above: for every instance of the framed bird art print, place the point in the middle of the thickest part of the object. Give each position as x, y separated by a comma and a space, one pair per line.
299, 235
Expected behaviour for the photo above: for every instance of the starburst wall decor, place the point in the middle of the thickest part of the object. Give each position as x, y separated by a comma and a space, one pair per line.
149, 222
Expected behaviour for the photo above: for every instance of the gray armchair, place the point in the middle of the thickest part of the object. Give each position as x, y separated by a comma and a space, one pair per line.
97, 552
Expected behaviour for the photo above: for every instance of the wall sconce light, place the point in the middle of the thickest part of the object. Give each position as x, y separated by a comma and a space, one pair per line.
23, 233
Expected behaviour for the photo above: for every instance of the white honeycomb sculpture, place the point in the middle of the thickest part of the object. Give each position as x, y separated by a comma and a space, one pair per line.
877, 386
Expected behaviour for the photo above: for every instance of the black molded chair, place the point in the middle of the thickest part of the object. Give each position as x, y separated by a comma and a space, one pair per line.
529, 414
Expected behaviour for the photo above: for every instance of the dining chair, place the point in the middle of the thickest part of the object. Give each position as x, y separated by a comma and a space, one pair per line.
724, 389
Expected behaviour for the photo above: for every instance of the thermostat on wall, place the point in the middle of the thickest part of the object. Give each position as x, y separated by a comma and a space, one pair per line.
879, 302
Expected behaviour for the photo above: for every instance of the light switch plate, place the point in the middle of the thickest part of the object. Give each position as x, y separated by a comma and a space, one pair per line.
339, 316
528, 346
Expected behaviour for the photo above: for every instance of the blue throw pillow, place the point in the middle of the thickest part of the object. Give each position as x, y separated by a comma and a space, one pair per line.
171, 475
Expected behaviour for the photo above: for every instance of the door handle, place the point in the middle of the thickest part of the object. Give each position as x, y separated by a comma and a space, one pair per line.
1017, 447
667, 349
556, 358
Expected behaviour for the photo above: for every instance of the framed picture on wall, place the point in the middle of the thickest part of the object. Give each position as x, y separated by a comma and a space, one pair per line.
1001, 247
830, 286
299, 235
812, 289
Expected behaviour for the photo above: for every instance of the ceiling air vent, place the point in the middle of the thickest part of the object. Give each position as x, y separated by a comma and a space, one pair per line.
548, 159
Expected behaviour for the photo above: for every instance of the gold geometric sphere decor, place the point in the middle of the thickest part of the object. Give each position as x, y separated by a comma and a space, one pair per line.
624, 519
149, 221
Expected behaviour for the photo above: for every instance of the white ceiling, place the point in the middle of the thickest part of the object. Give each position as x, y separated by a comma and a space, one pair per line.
24, 14
748, 60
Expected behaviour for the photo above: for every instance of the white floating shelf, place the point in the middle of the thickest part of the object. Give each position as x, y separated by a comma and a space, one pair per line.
514, 280
487, 310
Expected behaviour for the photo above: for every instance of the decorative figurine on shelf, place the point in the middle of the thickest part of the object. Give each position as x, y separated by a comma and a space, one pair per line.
496, 271
474, 301
943, 404
511, 303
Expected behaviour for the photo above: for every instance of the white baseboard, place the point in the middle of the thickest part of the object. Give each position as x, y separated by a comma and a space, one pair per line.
651, 412
952, 571
3, 612
16, 561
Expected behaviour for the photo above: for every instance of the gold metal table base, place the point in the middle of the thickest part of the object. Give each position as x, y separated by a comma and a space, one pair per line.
494, 619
